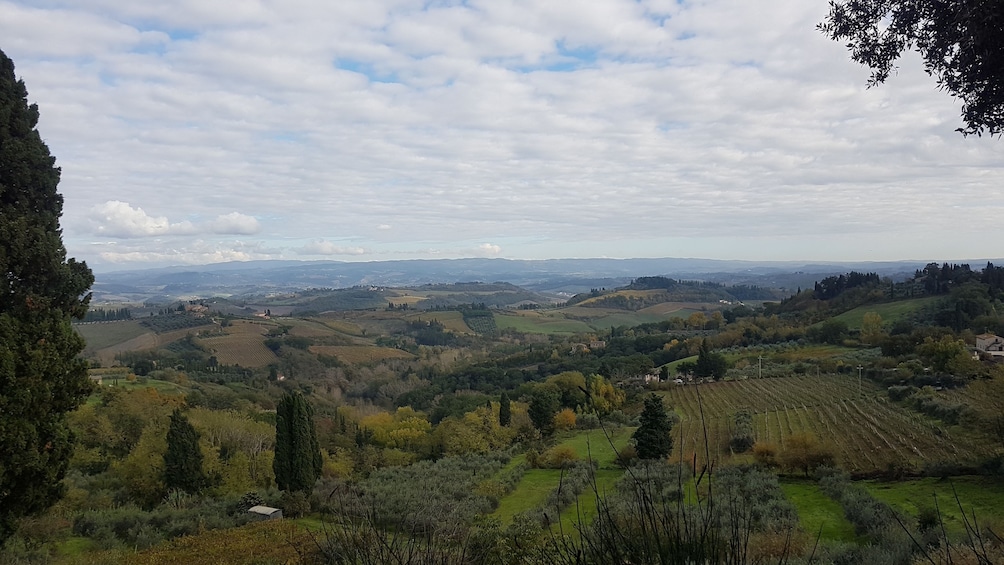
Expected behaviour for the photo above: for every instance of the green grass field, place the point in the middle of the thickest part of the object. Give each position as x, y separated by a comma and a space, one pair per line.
105, 334
818, 513
595, 445
531, 492
538, 483
673, 365
890, 311
979, 495
627, 319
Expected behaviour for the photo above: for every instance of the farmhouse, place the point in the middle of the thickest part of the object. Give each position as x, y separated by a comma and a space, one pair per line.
990, 344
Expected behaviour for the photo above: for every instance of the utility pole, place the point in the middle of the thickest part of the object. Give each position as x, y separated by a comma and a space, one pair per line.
760, 367
859, 380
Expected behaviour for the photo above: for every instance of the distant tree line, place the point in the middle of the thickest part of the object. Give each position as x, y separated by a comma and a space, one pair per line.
108, 315
830, 287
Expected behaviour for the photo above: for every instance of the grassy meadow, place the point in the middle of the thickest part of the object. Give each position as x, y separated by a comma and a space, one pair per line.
890, 312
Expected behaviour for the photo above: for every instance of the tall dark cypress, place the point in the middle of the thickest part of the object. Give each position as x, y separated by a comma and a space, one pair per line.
297, 462
183, 459
41, 290
505, 410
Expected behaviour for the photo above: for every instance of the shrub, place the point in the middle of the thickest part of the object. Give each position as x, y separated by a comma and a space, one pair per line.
898, 393
742, 433
248, 500
564, 420
587, 422
765, 453
802, 452
620, 418
294, 504
558, 457
627, 456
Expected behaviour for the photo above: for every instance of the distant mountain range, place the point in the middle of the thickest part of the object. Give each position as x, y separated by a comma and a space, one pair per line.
552, 276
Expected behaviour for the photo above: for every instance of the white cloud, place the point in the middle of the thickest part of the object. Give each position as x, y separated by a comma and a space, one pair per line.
235, 223
489, 250
323, 247
546, 128
119, 219
194, 252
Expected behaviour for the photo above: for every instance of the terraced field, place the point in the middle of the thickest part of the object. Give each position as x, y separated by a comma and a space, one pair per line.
242, 344
865, 431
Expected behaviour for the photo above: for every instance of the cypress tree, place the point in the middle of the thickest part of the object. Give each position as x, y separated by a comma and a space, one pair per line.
297, 462
183, 459
41, 291
652, 439
505, 410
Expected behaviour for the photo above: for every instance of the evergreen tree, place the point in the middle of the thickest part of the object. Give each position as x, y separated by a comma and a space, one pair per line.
183, 459
505, 410
41, 290
543, 406
652, 439
710, 364
297, 462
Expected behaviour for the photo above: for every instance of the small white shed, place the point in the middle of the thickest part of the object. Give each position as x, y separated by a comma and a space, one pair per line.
265, 512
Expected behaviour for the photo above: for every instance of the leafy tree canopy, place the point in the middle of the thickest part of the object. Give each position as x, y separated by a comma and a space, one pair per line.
962, 43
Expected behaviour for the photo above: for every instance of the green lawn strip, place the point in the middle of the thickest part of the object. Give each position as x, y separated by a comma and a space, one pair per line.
142, 383
585, 508
516, 460
530, 493
595, 445
816, 510
975, 494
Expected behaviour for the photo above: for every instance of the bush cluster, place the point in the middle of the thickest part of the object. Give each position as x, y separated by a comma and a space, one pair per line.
137, 528
420, 499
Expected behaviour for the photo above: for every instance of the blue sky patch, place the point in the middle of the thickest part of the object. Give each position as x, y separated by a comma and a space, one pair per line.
367, 70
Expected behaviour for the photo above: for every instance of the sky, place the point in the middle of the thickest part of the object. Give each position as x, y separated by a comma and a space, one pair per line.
194, 131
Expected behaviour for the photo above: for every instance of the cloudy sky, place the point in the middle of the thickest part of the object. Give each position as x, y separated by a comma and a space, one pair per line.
196, 131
